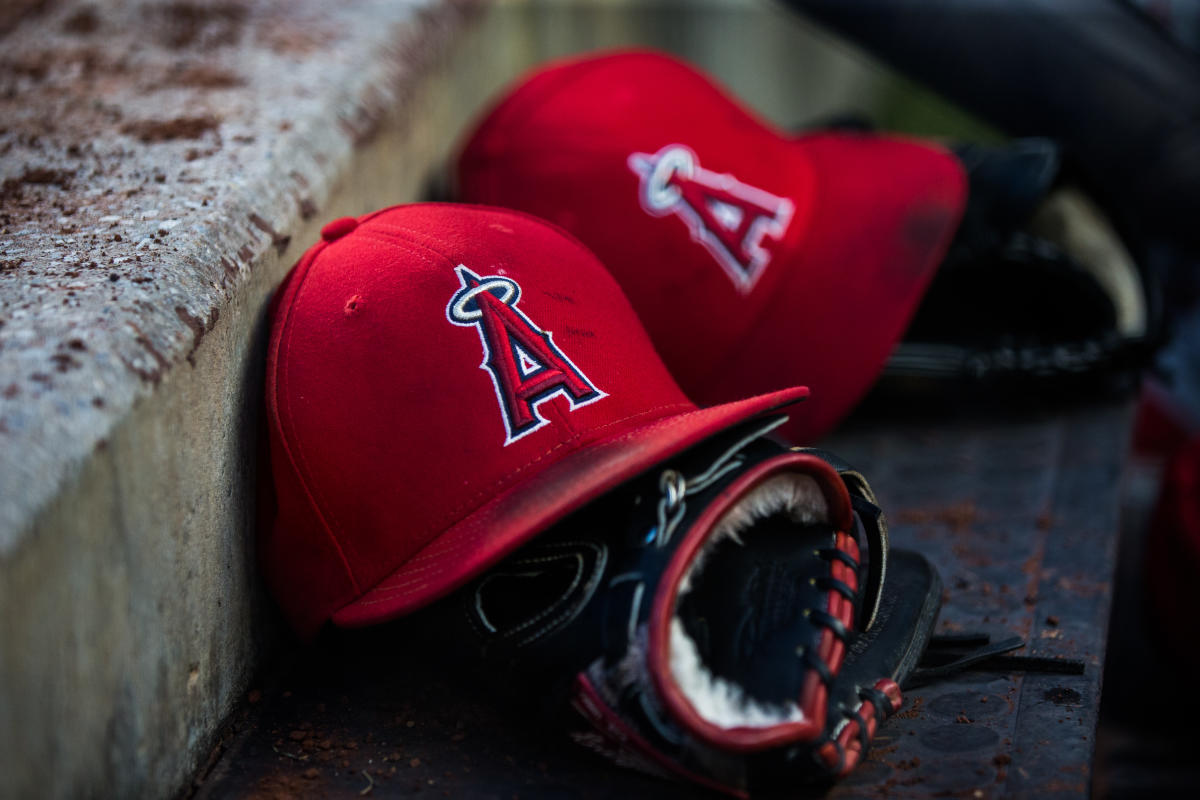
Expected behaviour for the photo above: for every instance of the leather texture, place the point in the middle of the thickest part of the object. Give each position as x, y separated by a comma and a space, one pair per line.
581, 618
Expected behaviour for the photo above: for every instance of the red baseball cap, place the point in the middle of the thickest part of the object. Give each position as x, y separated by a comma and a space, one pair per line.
755, 260
444, 382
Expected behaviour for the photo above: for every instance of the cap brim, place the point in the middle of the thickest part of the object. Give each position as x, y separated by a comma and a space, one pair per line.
513, 517
885, 211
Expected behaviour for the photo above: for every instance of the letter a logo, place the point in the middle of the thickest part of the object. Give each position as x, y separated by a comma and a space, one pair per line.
728, 217
527, 368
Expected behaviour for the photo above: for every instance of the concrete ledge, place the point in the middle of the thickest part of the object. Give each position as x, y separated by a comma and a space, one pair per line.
162, 166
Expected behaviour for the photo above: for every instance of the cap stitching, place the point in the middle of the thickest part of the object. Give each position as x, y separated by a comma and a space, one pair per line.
457, 548
524, 215
335, 531
405, 235
404, 587
406, 243
507, 480
661, 423
345, 545
315, 497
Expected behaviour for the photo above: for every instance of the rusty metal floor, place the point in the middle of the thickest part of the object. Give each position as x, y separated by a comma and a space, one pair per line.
1019, 511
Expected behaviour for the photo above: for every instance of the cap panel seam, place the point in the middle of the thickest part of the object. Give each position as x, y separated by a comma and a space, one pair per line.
514, 110
292, 444
501, 210
296, 451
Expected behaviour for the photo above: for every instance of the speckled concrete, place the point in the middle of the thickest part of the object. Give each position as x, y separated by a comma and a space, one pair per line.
152, 155
163, 165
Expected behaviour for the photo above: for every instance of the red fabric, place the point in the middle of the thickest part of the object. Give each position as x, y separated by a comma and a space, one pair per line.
396, 474
1163, 423
1173, 557
851, 227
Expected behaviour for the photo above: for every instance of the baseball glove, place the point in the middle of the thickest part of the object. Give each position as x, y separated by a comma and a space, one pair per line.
1037, 284
733, 618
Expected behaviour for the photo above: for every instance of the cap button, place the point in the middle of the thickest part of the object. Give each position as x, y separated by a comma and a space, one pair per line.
338, 228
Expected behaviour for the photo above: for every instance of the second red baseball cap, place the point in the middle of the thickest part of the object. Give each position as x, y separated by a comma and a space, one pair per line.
443, 383
755, 260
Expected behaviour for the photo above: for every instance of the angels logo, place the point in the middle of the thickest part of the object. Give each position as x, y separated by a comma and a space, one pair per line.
728, 217
526, 367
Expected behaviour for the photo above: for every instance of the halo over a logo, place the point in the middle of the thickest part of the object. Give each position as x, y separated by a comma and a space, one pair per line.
525, 365
728, 217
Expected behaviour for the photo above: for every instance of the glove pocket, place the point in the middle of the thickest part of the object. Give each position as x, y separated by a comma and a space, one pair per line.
750, 620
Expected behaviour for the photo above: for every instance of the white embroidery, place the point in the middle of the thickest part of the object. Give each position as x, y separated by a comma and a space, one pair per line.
660, 196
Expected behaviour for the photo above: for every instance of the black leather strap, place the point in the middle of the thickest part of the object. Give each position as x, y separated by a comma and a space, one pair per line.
874, 527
